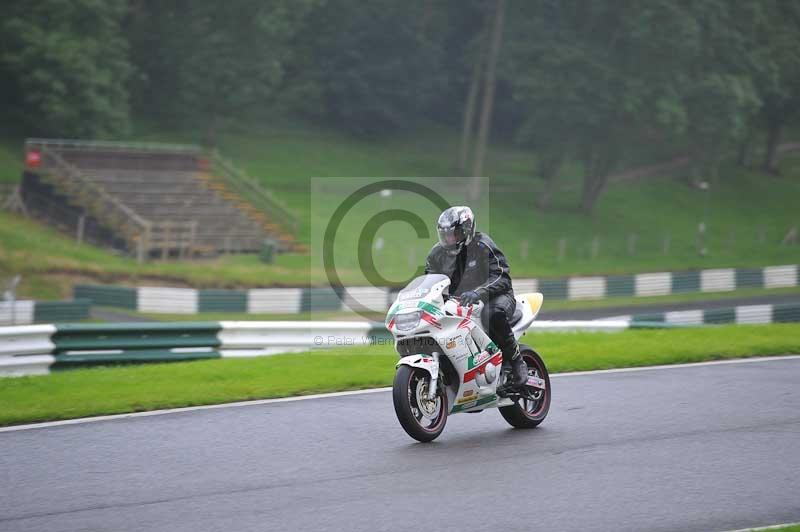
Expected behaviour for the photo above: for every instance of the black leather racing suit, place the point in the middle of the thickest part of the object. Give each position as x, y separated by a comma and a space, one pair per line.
482, 267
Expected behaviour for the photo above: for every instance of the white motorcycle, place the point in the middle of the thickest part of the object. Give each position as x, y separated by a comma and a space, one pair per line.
450, 365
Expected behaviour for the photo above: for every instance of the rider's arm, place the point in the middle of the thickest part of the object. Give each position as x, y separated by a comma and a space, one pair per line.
499, 279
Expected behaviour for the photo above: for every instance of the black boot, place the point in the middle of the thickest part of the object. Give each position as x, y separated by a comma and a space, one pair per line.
519, 369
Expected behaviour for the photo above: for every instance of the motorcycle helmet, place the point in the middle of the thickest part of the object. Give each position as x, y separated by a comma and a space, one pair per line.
456, 228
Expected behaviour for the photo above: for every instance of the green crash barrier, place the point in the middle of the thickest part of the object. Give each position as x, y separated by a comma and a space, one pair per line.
93, 344
81, 337
130, 357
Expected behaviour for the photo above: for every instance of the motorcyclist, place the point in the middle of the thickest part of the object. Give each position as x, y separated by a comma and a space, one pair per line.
478, 271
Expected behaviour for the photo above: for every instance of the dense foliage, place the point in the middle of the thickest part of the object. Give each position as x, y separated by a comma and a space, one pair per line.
595, 83
65, 66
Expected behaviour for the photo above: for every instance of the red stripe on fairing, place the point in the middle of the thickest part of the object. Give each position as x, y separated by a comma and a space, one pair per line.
466, 320
430, 319
471, 374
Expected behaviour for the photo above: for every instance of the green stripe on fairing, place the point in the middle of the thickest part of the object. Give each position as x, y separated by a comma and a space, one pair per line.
428, 307
490, 347
469, 406
392, 311
424, 305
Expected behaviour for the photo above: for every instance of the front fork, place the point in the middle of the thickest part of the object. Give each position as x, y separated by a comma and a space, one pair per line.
434, 377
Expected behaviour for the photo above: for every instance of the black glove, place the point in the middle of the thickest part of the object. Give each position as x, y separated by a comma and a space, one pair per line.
469, 298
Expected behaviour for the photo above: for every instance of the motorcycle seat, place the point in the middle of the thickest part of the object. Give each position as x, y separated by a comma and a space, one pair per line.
527, 309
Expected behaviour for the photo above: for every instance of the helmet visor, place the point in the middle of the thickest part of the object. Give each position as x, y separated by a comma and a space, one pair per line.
451, 237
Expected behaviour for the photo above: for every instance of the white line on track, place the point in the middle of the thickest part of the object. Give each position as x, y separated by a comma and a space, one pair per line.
764, 528
82, 420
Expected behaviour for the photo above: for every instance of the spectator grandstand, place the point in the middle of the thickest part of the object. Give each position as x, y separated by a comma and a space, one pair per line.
151, 199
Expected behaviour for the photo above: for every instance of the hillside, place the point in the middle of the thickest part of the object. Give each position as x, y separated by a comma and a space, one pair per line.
748, 215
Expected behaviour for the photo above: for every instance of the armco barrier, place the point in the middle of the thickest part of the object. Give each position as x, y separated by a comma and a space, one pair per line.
34, 349
26, 349
26, 312
92, 344
293, 300
37, 348
252, 338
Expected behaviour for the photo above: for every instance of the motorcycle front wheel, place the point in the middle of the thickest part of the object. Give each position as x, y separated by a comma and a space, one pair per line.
528, 413
422, 418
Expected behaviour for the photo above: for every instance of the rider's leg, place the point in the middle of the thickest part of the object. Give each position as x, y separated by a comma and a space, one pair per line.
496, 315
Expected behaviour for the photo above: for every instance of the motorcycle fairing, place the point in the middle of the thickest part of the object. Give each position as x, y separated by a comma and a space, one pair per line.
425, 362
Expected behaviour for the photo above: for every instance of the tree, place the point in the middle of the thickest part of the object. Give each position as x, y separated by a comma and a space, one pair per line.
369, 67
718, 91
65, 66
777, 76
488, 92
606, 81
596, 81
205, 62
468, 120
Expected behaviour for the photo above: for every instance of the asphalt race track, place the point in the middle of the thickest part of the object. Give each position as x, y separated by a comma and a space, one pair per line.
702, 448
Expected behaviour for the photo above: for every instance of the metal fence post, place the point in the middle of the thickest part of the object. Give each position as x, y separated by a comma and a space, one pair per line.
165, 236
10, 295
81, 228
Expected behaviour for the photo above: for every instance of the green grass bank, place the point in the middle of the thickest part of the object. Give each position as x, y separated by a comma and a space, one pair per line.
641, 225
88, 392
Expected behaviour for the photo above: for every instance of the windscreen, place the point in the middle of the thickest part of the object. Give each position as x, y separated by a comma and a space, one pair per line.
420, 286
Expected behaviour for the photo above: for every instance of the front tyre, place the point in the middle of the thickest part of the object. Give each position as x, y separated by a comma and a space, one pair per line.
421, 418
528, 413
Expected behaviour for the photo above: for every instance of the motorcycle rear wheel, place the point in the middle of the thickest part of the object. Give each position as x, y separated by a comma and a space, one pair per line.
422, 419
526, 413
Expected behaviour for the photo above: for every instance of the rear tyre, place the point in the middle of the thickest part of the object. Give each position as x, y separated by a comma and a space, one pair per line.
421, 418
528, 413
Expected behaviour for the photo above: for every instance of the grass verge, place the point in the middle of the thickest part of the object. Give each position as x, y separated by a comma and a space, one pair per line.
98, 391
638, 226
